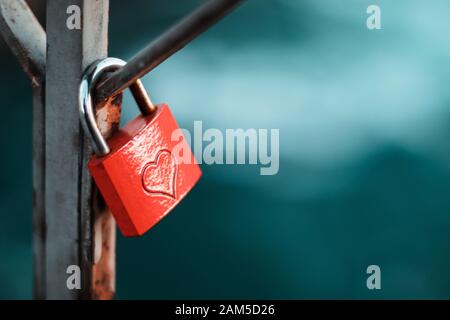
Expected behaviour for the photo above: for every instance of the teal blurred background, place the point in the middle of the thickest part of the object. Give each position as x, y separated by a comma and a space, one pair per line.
364, 119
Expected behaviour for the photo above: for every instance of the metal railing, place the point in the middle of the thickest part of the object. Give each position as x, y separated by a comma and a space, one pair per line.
70, 226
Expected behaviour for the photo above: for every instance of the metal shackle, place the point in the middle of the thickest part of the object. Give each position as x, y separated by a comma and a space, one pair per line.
86, 102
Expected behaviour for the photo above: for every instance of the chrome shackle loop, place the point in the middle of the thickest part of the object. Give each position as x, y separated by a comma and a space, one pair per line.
88, 83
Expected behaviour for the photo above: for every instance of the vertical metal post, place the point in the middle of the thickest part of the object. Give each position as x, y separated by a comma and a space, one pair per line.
71, 203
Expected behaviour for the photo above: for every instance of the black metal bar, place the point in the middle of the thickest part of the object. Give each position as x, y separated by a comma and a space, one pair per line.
164, 46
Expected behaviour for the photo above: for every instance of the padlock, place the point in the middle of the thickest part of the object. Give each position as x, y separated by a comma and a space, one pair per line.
140, 178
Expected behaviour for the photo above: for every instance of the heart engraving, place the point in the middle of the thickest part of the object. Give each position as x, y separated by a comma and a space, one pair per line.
159, 175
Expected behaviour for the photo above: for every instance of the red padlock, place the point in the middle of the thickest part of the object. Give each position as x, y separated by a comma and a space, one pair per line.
139, 177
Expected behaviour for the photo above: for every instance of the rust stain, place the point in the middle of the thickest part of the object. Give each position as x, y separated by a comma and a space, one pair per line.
103, 272
104, 269
108, 116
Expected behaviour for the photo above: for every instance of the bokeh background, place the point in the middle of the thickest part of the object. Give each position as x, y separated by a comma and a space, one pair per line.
364, 119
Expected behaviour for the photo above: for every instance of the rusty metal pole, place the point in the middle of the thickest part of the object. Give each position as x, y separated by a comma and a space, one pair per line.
71, 225
80, 229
